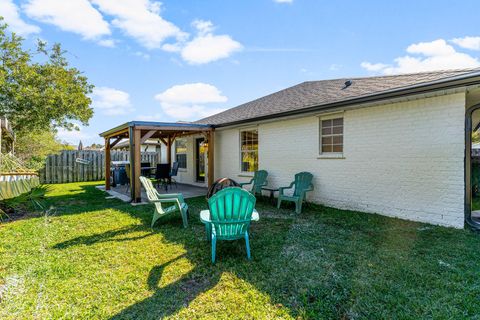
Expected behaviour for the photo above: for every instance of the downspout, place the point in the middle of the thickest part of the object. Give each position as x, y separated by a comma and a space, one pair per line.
468, 169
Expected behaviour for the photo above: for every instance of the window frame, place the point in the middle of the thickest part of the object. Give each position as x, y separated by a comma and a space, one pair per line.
321, 118
181, 153
254, 129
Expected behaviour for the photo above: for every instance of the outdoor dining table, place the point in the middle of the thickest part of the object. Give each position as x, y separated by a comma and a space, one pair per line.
146, 171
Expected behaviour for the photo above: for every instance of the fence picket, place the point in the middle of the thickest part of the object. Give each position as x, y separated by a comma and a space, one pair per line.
63, 167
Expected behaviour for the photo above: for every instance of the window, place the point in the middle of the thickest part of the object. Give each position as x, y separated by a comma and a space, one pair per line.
181, 153
331, 135
249, 150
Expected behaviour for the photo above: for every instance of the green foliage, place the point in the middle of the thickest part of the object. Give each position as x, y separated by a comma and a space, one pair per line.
475, 136
38, 95
97, 258
34, 146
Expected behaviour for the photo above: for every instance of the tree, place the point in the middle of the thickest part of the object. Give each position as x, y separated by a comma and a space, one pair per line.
38, 95
33, 147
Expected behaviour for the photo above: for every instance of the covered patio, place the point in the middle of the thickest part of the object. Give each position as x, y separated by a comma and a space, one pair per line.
138, 132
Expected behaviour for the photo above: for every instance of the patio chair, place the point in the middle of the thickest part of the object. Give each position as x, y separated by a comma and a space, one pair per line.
258, 181
173, 173
158, 199
127, 174
301, 185
231, 211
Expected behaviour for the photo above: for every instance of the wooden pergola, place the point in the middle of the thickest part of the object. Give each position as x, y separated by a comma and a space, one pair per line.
137, 132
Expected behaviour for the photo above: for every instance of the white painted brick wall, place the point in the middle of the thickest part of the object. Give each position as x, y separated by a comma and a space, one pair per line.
402, 160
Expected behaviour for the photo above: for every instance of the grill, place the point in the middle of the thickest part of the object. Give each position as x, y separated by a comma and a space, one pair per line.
220, 184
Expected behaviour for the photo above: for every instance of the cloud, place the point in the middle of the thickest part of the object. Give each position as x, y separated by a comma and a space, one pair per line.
426, 56
141, 20
111, 101
9, 11
472, 43
207, 47
109, 43
73, 137
188, 101
283, 1
77, 16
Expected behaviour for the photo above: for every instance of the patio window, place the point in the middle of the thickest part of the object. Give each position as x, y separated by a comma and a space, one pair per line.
249, 150
181, 153
331, 135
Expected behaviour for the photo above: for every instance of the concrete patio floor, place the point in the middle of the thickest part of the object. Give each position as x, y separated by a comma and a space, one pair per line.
188, 191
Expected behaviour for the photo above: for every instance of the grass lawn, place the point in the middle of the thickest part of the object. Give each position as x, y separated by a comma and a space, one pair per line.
97, 258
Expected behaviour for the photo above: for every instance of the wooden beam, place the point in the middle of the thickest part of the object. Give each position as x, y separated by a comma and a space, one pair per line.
211, 157
122, 132
137, 165
147, 136
114, 142
163, 141
108, 160
169, 150
172, 128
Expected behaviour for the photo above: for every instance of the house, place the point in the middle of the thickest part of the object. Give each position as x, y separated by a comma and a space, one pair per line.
395, 145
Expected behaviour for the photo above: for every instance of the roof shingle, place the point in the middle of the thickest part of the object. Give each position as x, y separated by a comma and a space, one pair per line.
324, 92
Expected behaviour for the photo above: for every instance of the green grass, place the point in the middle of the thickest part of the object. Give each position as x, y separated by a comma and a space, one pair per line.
93, 258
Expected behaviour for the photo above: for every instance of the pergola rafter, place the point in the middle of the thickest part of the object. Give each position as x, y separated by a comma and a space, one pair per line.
138, 132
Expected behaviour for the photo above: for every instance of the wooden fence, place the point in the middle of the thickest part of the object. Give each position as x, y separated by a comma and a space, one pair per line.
76, 166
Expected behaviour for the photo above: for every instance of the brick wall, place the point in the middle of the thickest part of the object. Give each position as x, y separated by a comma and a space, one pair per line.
403, 159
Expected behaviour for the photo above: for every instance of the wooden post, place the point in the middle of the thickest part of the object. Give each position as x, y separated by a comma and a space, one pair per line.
169, 151
107, 163
137, 165
211, 157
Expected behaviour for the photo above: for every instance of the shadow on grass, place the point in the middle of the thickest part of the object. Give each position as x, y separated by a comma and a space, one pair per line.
325, 263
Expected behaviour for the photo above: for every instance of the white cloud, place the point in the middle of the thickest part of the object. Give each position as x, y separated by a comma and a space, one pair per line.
207, 47
283, 1
111, 101
77, 16
426, 56
141, 20
9, 11
73, 137
375, 67
142, 55
472, 43
109, 43
188, 101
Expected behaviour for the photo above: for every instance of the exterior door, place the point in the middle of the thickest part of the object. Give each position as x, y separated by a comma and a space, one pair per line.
200, 157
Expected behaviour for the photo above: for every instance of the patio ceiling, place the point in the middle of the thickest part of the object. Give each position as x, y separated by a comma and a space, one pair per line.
138, 132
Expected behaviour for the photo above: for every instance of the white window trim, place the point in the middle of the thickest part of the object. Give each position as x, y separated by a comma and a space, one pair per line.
244, 173
330, 155
185, 153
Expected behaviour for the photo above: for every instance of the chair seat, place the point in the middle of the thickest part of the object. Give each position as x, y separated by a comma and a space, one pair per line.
205, 216
292, 198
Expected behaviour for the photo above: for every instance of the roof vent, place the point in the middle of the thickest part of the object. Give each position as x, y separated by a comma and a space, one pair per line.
348, 83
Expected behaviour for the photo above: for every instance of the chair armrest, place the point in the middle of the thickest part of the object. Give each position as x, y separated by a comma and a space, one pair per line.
280, 190
246, 183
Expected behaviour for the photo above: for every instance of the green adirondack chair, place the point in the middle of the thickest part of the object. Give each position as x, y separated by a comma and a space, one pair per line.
158, 199
230, 213
258, 181
302, 184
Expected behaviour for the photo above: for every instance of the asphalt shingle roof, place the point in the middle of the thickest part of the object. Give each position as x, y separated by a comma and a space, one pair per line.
325, 92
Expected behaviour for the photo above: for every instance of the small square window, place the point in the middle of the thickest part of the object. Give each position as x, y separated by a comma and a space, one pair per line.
331, 135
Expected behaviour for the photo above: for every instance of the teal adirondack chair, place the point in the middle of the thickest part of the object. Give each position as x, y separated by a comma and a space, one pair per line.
258, 181
230, 213
158, 199
301, 185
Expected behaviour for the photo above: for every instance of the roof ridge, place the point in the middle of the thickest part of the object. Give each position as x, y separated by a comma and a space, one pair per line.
464, 70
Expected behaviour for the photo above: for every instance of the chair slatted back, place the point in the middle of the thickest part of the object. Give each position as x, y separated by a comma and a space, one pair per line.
259, 180
303, 181
152, 193
231, 211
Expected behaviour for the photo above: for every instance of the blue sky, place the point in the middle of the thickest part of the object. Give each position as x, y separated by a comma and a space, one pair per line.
182, 60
